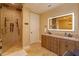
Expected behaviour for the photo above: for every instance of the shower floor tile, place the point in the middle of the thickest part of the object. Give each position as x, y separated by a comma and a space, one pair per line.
12, 50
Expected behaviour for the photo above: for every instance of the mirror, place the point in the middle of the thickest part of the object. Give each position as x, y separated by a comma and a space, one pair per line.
62, 23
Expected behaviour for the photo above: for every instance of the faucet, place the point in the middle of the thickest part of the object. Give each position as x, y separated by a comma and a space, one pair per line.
65, 34
70, 35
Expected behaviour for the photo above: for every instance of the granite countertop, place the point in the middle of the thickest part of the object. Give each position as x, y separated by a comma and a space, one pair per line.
63, 37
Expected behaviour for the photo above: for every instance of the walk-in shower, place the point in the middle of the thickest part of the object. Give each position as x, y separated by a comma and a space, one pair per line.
10, 26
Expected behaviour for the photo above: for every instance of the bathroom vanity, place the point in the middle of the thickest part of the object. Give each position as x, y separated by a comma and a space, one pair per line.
59, 44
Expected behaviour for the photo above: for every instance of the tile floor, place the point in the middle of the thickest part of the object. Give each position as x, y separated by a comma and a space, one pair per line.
34, 50
12, 50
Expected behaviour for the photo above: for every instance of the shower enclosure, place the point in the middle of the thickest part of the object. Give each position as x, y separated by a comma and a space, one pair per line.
10, 26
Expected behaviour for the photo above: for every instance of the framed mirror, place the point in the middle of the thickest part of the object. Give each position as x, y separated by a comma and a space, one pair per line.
62, 22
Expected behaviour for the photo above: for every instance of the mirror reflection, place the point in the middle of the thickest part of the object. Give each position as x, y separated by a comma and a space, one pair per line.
63, 22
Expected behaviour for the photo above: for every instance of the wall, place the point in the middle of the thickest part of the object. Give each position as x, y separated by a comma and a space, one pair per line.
60, 10
26, 29
9, 38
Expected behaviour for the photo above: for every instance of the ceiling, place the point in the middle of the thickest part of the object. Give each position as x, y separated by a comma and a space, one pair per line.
41, 7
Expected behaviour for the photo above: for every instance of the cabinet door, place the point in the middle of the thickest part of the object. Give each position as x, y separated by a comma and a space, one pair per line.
62, 46
48, 38
70, 45
52, 44
55, 45
77, 44
46, 41
43, 41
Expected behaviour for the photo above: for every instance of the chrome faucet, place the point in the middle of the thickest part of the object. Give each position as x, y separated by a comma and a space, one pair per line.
70, 35
65, 34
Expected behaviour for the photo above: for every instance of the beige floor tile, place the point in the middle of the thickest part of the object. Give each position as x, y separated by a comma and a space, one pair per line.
12, 49
37, 50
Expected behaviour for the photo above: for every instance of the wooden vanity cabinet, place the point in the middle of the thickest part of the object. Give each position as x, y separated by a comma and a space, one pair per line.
59, 45
50, 43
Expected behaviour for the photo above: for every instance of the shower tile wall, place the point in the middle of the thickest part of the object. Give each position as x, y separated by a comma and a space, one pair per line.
11, 31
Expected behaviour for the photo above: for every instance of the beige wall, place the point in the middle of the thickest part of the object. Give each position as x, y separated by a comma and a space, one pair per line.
26, 29
60, 10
